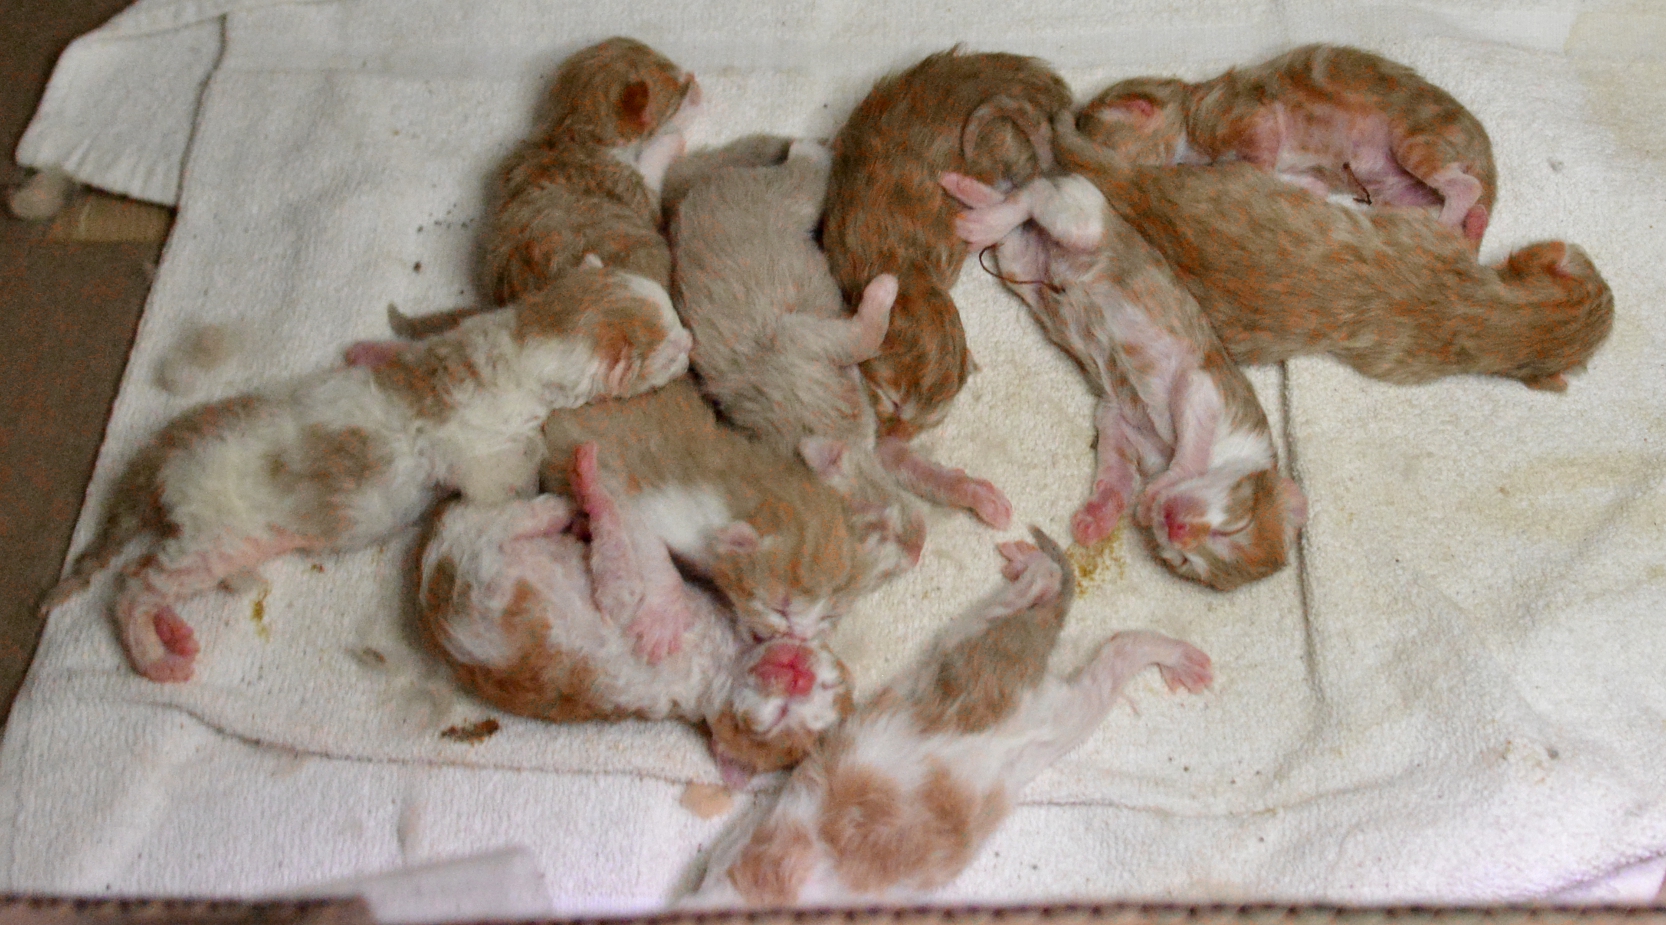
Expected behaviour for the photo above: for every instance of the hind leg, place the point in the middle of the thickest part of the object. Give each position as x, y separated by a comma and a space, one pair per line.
1115, 475
942, 485
637, 586
158, 642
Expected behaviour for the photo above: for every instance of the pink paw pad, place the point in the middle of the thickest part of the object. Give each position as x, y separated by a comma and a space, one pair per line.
988, 502
1190, 670
1098, 517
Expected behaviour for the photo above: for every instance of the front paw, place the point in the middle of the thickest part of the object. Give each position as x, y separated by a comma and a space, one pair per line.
1097, 518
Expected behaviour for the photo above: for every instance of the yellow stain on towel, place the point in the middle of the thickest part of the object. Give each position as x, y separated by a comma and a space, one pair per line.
1093, 563
257, 613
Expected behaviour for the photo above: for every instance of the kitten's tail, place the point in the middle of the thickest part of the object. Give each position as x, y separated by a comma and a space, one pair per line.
1031, 121
416, 327
125, 523
1067, 572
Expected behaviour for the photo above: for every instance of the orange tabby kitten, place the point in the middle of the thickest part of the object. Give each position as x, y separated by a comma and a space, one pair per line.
896, 800
1390, 292
886, 214
766, 530
588, 179
1328, 117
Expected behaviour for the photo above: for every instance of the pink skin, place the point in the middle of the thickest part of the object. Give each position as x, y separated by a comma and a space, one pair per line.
373, 353
1195, 407
872, 319
942, 485
785, 668
158, 641
631, 571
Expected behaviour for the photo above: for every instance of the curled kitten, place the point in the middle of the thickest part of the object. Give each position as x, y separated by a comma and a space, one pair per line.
341, 458
588, 179
775, 348
760, 525
896, 800
539, 623
1390, 292
1172, 404
984, 115
1327, 117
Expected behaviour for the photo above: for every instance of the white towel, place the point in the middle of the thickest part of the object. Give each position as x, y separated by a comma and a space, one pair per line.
1452, 696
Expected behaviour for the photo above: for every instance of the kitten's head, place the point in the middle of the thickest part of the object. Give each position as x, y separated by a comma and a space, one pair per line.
615, 92
635, 335
787, 574
1140, 121
889, 528
922, 365
1227, 538
1570, 313
784, 694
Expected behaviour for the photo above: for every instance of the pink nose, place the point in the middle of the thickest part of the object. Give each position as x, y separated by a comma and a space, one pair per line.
786, 668
1184, 532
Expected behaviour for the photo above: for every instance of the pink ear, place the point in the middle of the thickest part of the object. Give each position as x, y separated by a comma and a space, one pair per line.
1138, 106
738, 537
633, 102
824, 455
1295, 501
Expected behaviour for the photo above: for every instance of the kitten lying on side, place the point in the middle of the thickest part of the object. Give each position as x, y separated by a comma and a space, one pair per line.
1390, 292
535, 623
774, 347
765, 529
340, 458
1170, 400
588, 179
886, 214
1327, 117
896, 800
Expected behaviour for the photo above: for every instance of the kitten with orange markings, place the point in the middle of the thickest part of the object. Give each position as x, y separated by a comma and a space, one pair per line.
1390, 292
1171, 403
343, 457
1327, 117
537, 623
588, 180
769, 532
896, 800
886, 214
774, 346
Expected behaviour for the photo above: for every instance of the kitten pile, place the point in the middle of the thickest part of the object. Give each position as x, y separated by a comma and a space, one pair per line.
630, 518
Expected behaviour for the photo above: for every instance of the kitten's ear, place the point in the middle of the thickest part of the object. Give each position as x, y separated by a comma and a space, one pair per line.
736, 776
633, 103
824, 455
1546, 256
736, 538
1136, 110
1295, 501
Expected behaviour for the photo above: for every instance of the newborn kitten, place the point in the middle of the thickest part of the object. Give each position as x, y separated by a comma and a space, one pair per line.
1327, 117
1388, 291
588, 179
775, 348
770, 534
896, 800
1170, 400
341, 458
886, 214
533, 622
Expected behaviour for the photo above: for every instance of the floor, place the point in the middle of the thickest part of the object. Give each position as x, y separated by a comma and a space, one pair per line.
69, 311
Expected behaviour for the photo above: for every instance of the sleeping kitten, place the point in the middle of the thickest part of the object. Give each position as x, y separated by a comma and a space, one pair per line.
533, 622
886, 214
1170, 400
765, 529
774, 347
588, 179
896, 800
341, 458
1327, 117
1390, 292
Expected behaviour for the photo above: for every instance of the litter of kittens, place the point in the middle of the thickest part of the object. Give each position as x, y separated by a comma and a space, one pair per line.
1367, 669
